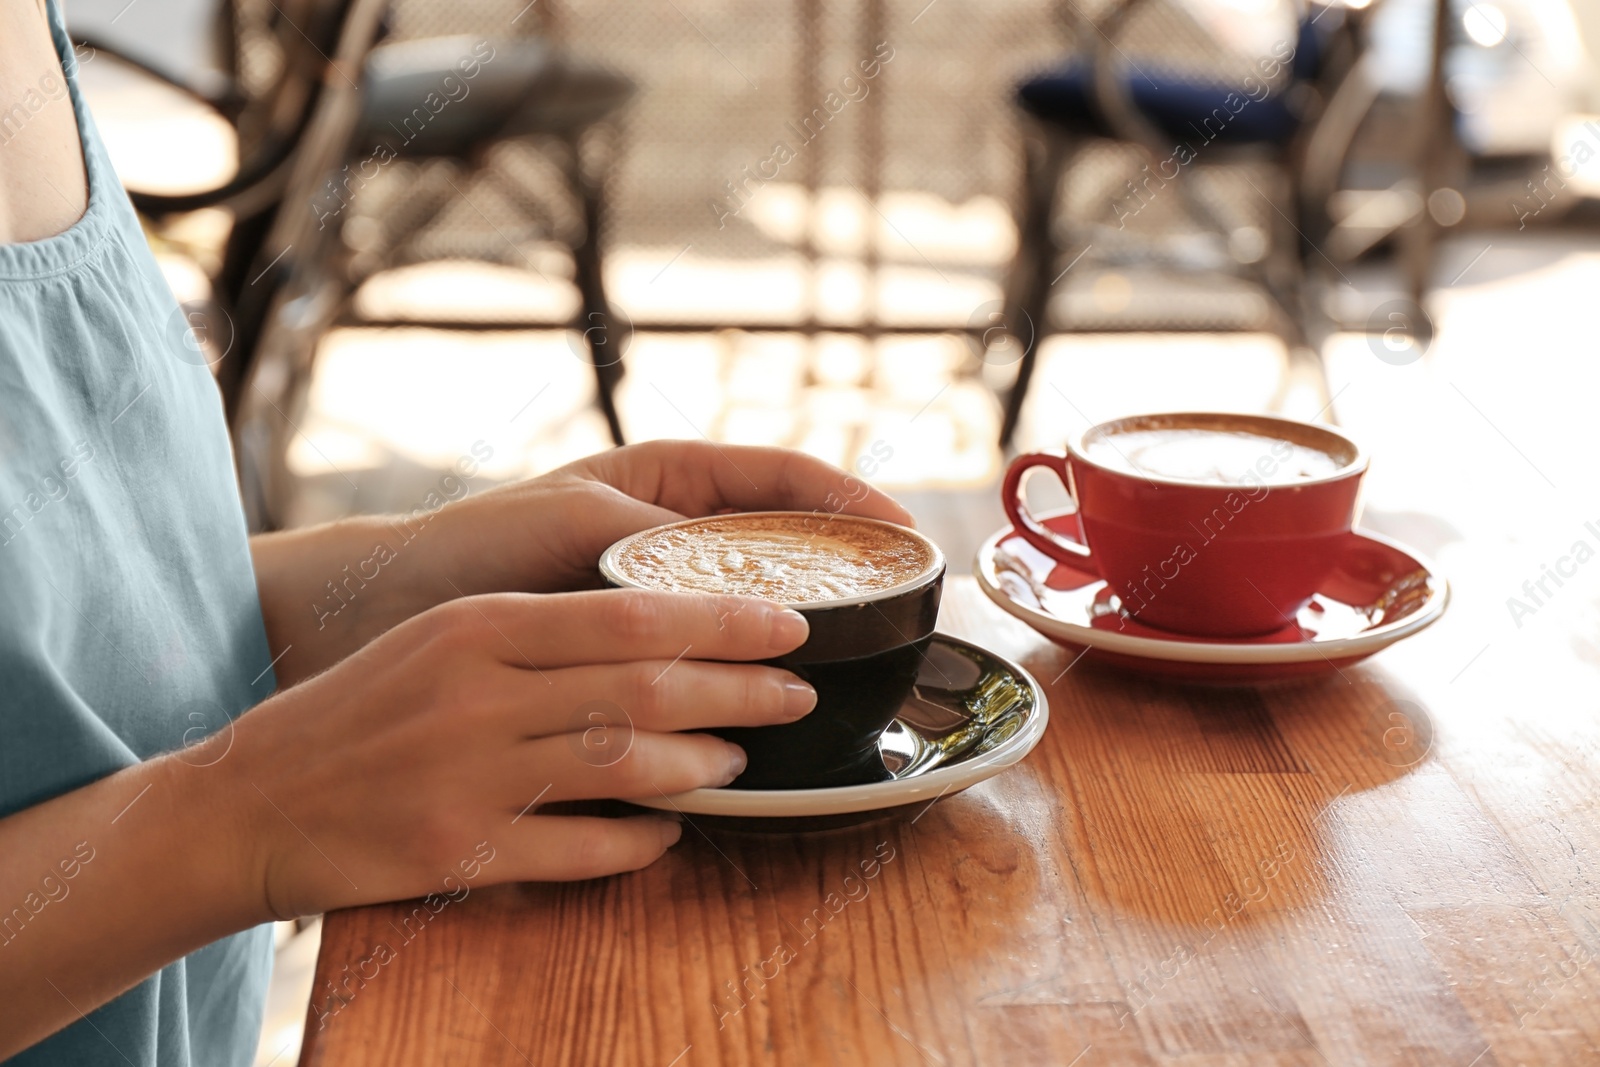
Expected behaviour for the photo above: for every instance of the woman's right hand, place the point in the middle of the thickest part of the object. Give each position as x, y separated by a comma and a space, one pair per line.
375, 779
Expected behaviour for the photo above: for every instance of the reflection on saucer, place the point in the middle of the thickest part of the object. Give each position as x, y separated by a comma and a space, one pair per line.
971, 715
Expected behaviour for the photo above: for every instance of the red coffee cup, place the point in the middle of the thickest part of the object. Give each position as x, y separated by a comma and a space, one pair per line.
1230, 556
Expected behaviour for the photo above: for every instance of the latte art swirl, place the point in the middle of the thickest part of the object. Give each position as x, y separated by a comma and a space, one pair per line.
792, 559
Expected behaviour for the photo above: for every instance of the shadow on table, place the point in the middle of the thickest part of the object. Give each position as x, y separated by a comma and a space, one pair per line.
1191, 804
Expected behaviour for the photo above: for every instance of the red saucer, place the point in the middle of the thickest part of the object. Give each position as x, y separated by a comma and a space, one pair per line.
1378, 594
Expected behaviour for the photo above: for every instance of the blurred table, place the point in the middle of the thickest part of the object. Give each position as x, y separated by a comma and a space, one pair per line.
1175, 875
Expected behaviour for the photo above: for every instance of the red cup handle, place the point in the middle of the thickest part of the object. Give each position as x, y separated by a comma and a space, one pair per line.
1035, 533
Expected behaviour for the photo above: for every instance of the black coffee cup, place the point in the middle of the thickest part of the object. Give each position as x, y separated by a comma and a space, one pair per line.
861, 657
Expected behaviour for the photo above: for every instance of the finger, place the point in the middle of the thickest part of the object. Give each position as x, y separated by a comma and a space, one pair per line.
616, 764
661, 696
548, 630
700, 478
569, 848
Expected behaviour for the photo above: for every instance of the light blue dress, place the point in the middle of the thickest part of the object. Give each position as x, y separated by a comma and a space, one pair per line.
129, 621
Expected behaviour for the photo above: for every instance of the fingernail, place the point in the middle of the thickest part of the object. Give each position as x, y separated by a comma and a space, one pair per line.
671, 830
736, 764
789, 630
798, 699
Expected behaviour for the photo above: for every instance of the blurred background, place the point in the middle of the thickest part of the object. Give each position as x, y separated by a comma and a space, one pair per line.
907, 236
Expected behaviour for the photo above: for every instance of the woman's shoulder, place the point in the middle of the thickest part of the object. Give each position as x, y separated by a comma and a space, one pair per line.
42, 172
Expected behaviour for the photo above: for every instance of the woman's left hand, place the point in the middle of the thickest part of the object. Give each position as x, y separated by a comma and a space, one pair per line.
328, 591
546, 534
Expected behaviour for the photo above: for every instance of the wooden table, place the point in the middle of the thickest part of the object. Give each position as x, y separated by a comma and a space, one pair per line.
1175, 875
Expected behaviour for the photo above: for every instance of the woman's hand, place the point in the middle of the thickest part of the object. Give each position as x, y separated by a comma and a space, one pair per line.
327, 591
547, 533
373, 780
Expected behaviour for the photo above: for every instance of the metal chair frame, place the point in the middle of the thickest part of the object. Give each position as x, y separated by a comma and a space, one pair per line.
1308, 167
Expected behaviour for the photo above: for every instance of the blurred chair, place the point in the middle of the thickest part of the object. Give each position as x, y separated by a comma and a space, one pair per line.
526, 92
262, 71
1303, 114
289, 273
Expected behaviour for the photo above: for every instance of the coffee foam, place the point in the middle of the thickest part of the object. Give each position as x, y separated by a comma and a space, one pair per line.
792, 559
1215, 452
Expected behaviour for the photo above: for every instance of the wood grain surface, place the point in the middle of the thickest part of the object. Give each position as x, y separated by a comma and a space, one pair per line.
1176, 875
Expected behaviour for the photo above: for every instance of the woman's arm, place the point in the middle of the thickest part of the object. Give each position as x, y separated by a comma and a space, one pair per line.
423, 753
105, 885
